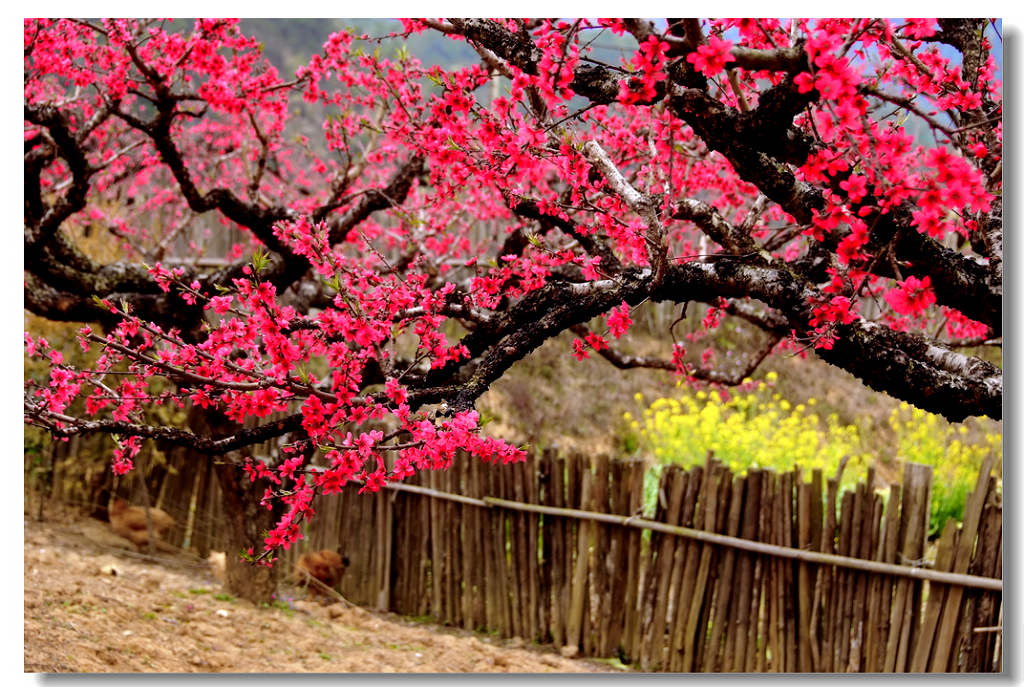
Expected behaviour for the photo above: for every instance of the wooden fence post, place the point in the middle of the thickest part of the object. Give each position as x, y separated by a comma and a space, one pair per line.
578, 590
961, 560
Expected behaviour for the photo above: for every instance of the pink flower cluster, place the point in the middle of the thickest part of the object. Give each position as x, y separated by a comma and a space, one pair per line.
711, 58
648, 64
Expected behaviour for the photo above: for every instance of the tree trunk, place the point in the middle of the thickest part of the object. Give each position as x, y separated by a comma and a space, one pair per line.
247, 522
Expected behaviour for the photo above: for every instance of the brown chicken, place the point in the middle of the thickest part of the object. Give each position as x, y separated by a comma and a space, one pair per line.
130, 523
326, 566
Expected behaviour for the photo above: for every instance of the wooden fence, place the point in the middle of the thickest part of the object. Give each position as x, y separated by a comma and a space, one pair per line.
763, 572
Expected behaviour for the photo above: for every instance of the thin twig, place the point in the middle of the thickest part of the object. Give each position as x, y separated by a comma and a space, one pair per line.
323, 587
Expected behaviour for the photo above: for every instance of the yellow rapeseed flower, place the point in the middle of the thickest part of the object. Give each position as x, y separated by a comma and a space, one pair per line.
747, 430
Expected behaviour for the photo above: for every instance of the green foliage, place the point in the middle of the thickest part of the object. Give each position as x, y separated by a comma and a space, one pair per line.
260, 259
955, 452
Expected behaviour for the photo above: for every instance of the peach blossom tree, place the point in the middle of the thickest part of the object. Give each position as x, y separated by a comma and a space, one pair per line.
352, 295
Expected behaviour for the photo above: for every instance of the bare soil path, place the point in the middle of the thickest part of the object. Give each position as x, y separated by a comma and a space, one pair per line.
93, 605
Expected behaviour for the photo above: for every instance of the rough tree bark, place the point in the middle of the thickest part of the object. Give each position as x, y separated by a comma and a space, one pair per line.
247, 523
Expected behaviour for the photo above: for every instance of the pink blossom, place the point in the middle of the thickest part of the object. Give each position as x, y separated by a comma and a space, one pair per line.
911, 296
712, 57
619, 320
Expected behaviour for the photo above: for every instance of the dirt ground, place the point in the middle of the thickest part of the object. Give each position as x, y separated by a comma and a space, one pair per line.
94, 605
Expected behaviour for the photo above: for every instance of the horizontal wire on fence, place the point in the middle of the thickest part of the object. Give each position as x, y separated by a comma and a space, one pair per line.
963, 580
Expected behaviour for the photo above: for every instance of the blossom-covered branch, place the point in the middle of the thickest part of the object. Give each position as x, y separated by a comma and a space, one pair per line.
368, 283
